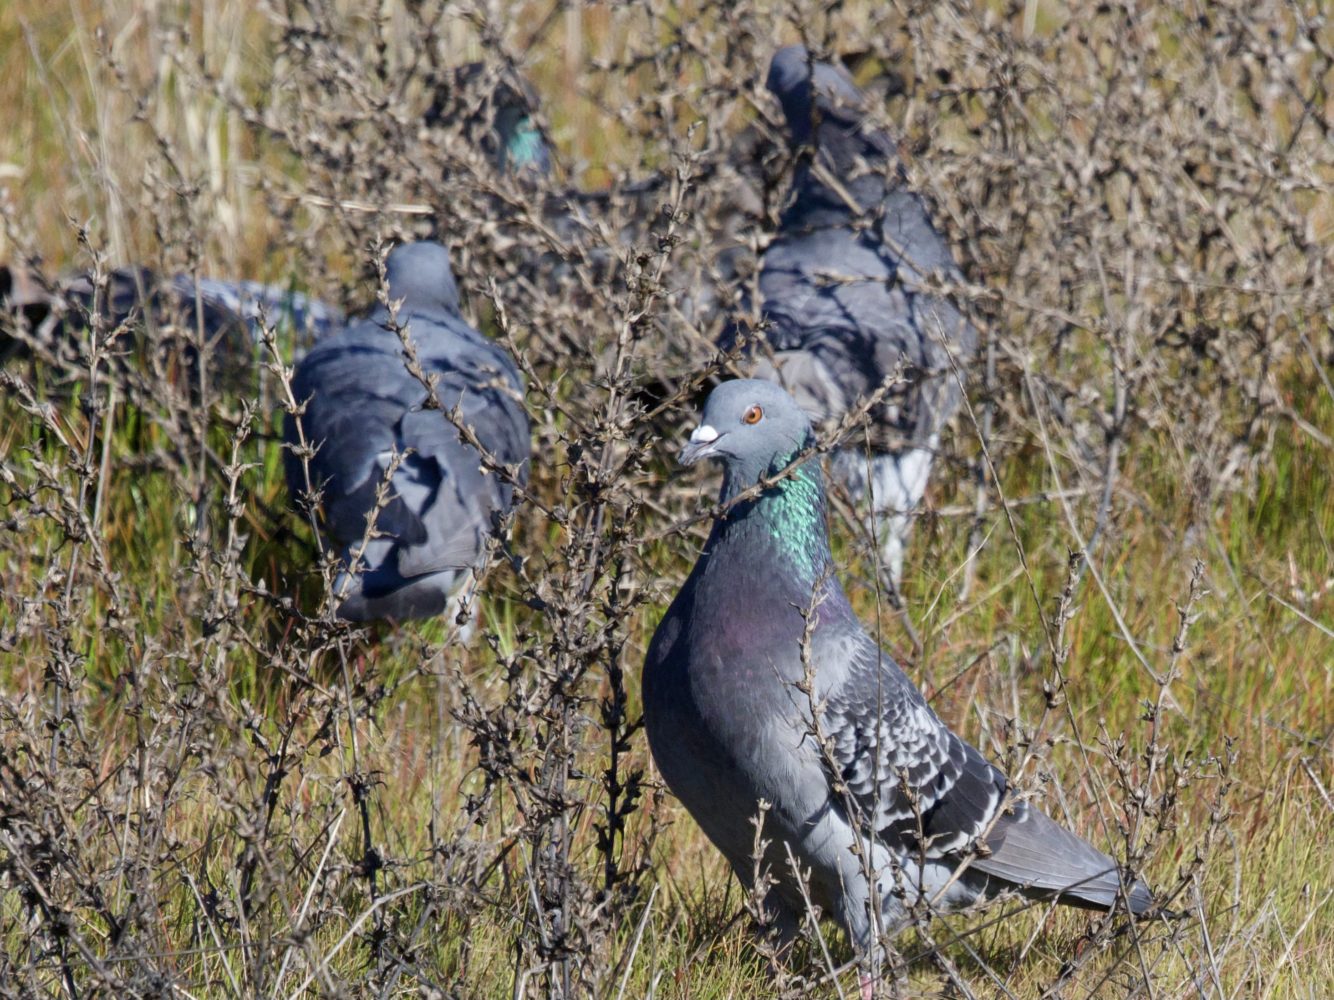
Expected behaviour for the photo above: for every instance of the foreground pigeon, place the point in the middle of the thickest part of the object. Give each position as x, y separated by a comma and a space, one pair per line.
364, 410
731, 722
844, 295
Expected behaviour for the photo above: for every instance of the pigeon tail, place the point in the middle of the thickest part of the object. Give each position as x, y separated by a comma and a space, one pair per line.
1031, 851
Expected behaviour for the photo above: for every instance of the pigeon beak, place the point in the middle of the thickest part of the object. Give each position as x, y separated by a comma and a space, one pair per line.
702, 444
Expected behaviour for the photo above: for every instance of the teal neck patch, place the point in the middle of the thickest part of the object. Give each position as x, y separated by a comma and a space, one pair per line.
525, 147
792, 513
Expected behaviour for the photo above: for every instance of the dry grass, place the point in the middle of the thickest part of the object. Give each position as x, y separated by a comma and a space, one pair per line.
208, 787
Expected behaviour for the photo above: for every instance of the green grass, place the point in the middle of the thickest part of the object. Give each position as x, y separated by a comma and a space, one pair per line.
1255, 673
185, 692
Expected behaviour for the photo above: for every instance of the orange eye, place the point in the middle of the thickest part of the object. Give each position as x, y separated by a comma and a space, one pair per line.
753, 416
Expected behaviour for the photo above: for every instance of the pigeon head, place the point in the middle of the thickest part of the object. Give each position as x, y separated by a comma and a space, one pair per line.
751, 426
755, 429
801, 85
420, 275
520, 147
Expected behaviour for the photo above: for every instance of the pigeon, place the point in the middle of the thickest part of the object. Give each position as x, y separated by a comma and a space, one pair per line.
495, 109
229, 314
369, 419
845, 300
761, 686
255, 304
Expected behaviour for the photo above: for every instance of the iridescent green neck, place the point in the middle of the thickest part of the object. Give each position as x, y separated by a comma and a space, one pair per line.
525, 147
791, 516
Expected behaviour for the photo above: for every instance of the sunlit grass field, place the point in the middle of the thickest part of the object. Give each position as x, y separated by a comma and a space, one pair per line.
260, 802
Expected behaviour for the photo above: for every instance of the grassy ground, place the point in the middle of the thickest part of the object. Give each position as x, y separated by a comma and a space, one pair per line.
209, 788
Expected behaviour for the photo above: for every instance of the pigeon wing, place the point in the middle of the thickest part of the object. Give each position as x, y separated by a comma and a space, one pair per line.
911, 782
355, 393
919, 787
442, 482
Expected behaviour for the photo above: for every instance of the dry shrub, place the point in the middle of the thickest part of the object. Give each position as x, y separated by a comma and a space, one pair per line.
208, 785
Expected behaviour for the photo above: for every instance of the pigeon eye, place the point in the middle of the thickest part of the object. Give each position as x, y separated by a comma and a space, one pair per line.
753, 416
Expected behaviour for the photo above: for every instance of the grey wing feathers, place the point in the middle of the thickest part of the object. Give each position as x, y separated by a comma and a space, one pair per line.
920, 788
848, 277
911, 779
864, 309
367, 414
441, 480
354, 396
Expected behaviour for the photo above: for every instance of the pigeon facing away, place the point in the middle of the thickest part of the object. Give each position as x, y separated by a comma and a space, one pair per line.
731, 722
364, 410
844, 295
228, 314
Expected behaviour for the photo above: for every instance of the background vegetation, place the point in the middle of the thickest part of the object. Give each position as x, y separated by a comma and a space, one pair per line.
208, 787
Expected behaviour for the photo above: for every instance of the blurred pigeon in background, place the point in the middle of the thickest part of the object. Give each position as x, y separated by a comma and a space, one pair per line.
495, 110
845, 300
761, 685
591, 234
257, 303
173, 312
369, 420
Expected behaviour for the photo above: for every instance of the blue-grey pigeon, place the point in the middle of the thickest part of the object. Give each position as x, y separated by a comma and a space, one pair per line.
494, 107
178, 308
256, 303
845, 295
364, 411
761, 685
